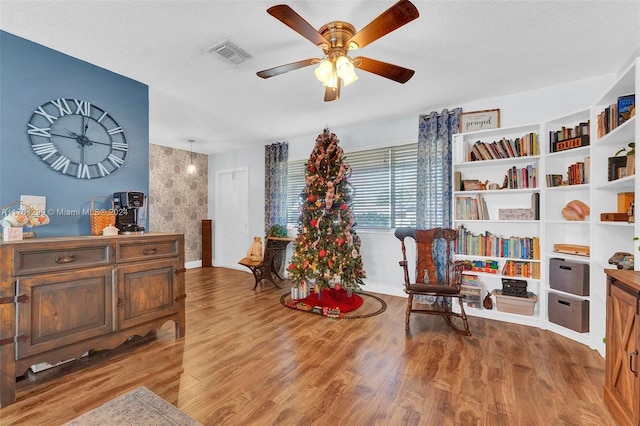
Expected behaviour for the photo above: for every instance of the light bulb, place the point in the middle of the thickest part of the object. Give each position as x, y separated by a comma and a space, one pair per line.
191, 169
344, 67
324, 71
332, 81
347, 80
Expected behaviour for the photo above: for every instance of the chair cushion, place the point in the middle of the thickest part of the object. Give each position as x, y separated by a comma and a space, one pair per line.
432, 288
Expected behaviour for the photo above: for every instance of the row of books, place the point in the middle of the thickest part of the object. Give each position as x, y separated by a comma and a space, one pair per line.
524, 146
525, 177
616, 114
565, 133
514, 268
577, 174
471, 208
491, 245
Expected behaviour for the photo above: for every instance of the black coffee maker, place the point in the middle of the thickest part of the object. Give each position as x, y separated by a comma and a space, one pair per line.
129, 211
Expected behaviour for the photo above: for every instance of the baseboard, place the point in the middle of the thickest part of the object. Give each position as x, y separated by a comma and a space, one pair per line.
384, 289
193, 264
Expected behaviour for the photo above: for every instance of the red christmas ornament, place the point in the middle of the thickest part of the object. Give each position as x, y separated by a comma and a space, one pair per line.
313, 222
312, 198
340, 240
322, 253
292, 266
338, 286
312, 168
344, 206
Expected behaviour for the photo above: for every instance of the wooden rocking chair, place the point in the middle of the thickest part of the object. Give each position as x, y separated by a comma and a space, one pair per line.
436, 276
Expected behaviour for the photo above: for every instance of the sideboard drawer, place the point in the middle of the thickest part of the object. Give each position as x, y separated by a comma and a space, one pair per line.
31, 260
147, 249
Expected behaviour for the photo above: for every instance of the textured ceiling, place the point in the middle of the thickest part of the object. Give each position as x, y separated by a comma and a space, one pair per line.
461, 51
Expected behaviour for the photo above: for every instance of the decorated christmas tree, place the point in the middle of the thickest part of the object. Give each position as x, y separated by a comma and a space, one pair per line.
327, 253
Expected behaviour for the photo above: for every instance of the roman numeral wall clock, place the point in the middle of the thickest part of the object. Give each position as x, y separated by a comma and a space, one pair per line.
77, 138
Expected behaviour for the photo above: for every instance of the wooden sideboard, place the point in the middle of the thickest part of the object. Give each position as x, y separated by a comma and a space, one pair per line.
622, 361
61, 297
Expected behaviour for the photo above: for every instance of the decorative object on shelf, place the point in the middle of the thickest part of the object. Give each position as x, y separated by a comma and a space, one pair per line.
100, 146
618, 257
630, 163
17, 215
625, 200
516, 214
569, 137
575, 210
614, 217
479, 120
191, 168
487, 303
473, 185
576, 249
617, 168
100, 219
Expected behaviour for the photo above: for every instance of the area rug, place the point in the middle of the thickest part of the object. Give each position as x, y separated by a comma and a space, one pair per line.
140, 407
371, 306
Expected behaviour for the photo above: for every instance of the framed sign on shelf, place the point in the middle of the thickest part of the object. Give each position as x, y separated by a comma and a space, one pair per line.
479, 120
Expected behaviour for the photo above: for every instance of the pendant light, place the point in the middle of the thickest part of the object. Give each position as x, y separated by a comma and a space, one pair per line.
191, 168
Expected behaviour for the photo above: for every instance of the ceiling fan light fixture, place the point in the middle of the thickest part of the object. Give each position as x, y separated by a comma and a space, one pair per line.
350, 78
344, 66
332, 81
324, 70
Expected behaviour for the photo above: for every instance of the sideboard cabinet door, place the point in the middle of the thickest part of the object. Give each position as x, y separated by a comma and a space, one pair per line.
146, 291
622, 381
63, 308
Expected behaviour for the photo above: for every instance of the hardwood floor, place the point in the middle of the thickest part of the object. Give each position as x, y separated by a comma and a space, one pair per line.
247, 360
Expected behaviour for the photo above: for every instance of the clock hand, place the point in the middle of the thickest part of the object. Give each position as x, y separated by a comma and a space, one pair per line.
64, 136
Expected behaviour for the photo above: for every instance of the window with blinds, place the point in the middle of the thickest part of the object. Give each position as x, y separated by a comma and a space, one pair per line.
384, 181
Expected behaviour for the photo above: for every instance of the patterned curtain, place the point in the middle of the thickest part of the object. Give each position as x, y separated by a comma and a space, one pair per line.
275, 184
433, 202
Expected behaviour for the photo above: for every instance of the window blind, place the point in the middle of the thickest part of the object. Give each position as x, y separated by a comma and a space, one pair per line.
384, 183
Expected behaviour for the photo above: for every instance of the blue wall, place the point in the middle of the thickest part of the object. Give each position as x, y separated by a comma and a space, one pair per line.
31, 75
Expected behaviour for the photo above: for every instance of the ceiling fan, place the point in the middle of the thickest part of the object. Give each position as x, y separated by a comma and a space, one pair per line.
336, 39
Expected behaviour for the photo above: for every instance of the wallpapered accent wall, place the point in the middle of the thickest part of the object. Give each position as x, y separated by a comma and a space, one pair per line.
178, 201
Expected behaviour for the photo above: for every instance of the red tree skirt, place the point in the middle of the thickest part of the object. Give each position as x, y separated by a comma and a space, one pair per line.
332, 298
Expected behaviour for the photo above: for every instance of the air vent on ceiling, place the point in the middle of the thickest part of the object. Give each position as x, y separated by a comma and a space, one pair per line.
229, 52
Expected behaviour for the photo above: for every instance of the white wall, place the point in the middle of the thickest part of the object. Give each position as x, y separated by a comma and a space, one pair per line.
381, 250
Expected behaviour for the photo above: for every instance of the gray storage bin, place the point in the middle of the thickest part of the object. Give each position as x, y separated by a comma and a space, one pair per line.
572, 277
569, 312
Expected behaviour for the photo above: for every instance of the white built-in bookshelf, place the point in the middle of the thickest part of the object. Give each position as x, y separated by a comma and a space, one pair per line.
489, 218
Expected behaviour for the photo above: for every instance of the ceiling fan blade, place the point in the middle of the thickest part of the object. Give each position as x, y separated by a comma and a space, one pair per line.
383, 69
271, 72
290, 18
331, 94
391, 19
